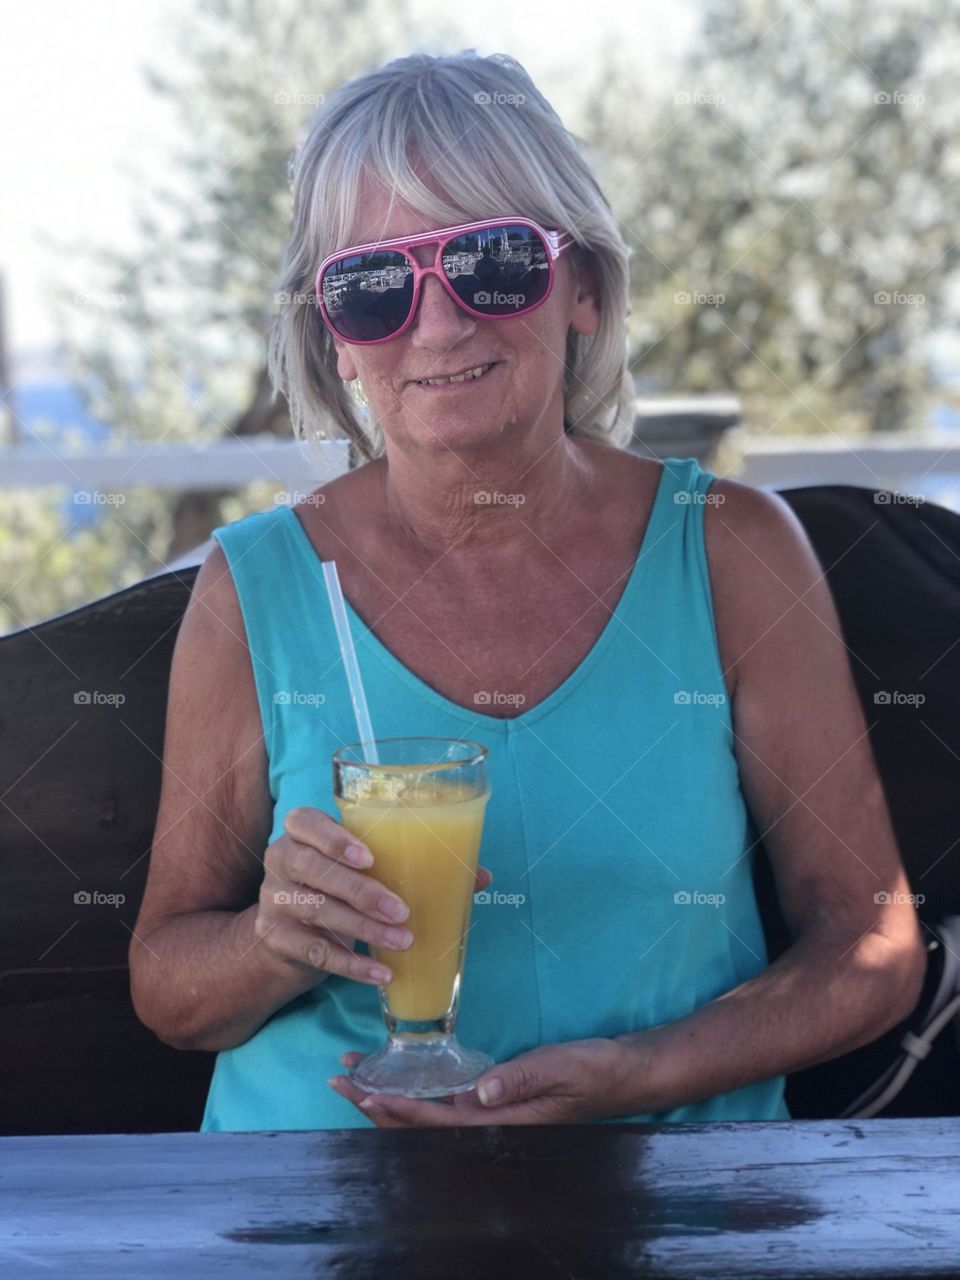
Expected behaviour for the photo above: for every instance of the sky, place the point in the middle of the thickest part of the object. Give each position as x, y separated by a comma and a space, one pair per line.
77, 110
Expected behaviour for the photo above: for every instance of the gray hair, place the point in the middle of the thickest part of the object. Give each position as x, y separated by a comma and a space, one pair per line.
521, 160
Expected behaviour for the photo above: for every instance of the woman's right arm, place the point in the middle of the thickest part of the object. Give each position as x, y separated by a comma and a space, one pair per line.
229, 930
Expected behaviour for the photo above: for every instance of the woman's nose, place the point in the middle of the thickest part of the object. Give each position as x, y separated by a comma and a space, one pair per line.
438, 318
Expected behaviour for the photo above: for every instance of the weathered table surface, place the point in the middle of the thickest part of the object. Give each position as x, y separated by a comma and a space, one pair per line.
801, 1199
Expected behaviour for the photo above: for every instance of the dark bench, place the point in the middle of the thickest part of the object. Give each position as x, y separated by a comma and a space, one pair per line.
80, 782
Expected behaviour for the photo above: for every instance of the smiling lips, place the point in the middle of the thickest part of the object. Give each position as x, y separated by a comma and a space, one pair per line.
466, 375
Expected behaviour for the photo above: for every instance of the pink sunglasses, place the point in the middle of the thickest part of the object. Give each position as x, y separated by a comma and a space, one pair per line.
494, 269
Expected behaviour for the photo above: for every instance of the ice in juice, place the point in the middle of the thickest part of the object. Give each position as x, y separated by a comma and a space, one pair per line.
424, 834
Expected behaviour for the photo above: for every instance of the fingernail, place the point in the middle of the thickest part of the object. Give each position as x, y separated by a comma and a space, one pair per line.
393, 907
366, 1104
358, 856
490, 1091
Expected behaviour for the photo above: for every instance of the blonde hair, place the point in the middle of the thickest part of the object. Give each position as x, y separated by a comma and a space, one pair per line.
495, 146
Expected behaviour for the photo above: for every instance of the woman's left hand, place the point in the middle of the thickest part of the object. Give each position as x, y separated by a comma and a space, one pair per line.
568, 1083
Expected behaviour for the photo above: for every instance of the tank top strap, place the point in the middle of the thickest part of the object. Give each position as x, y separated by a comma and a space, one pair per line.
673, 612
288, 627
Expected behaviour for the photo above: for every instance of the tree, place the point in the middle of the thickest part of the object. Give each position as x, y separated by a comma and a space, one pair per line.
790, 208
182, 355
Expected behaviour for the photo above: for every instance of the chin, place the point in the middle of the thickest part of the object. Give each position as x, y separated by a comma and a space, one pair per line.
457, 431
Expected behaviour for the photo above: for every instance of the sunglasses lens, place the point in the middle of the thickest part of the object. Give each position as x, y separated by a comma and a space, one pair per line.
367, 295
502, 271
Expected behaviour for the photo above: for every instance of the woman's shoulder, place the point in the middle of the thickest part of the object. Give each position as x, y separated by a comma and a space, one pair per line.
762, 567
744, 523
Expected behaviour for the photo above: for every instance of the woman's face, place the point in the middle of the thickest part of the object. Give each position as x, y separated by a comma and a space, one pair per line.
523, 392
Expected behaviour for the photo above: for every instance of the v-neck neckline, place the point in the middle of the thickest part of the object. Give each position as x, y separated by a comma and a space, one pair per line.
375, 646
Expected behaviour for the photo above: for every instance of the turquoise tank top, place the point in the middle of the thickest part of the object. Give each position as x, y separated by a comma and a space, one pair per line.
617, 831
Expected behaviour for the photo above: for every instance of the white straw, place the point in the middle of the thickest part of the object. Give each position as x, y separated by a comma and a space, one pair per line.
348, 653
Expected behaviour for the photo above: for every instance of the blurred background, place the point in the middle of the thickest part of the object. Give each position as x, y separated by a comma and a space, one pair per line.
786, 175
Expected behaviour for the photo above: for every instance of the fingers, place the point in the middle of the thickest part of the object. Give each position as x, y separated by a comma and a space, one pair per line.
335, 879
314, 827
321, 950
325, 912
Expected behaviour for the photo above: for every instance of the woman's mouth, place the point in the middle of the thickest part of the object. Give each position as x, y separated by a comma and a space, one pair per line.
468, 378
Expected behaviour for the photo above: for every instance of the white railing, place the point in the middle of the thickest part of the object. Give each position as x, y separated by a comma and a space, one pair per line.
227, 464
928, 464
904, 464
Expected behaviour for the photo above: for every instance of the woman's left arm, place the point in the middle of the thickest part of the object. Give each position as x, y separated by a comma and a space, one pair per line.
857, 961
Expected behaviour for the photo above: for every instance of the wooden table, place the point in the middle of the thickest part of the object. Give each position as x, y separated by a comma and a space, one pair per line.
803, 1199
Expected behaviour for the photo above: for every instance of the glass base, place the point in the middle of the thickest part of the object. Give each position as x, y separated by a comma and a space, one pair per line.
421, 1065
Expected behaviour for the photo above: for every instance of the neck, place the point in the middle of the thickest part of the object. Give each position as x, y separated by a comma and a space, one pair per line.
446, 502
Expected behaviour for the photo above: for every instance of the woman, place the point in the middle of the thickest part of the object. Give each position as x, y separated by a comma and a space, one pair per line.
649, 653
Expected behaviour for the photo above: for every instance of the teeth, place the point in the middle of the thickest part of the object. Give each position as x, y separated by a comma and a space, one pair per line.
478, 372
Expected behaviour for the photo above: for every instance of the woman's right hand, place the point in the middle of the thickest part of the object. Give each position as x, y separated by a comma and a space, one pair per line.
316, 901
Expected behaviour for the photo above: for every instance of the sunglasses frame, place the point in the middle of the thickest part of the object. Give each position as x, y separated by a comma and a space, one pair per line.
555, 241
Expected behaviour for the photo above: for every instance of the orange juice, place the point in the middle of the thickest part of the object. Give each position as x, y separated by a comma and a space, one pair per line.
425, 839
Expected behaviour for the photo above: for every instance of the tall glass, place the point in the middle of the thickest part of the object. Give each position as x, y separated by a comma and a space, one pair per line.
420, 812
